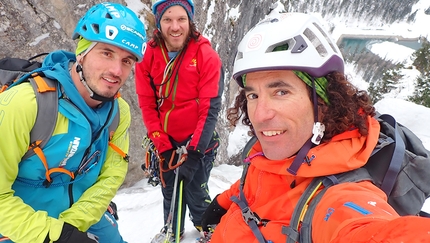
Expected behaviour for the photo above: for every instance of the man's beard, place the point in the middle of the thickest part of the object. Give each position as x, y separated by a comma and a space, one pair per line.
109, 94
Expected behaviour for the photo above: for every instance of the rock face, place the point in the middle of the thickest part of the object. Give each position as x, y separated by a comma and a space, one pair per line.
30, 27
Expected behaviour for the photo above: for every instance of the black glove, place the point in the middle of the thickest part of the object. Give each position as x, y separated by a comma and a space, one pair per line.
189, 166
170, 157
71, 234
143, 166
112, 209
212, 214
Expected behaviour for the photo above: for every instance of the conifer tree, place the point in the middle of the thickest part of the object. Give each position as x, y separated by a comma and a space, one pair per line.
421, 93
388, 82
421, 58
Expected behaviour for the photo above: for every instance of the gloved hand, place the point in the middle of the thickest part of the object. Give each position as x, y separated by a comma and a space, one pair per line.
189, 166
212, 214
170, 157
112, 209
71, 234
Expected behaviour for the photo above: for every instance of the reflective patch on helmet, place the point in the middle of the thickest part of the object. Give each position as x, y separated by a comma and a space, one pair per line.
111, 32
131, 30
112, 10
255, 41
129, 44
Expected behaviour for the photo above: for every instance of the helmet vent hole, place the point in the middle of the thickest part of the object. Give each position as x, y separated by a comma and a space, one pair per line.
108, 16
281, 47
95, 28
239, 55
322, 51
330, 42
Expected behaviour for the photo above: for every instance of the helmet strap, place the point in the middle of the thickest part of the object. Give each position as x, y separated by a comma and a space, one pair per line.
318, 128
92, 45
93, 95
318, 133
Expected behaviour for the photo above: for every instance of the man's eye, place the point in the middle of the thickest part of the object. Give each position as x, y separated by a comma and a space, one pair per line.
128, 62
282, 92
251, 96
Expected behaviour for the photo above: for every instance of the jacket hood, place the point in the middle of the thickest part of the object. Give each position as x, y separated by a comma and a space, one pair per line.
57, 65
345, 152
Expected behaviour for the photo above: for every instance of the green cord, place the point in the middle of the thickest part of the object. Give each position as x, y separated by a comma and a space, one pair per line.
178, 218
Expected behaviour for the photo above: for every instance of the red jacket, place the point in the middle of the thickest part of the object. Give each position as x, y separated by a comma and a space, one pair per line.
188, 100
268, 193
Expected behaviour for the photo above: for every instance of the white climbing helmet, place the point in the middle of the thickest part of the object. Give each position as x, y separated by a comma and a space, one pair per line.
292, 41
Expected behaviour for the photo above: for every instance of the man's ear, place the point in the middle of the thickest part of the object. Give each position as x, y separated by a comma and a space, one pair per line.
79, 59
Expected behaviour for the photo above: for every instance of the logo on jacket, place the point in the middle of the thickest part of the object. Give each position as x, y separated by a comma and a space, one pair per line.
71, 150
330, 211
108, 218
193, 62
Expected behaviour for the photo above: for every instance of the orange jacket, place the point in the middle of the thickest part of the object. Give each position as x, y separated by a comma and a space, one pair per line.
269, 194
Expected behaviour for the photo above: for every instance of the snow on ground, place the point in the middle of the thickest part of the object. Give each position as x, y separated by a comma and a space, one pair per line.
141, 211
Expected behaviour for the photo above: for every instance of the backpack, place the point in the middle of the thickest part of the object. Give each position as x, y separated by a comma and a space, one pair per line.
16, 70
399, 165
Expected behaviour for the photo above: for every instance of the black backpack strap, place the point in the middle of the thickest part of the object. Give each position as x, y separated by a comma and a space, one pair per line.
47, 111
247, 148
250, 218
424, 214
292, 231
396, 159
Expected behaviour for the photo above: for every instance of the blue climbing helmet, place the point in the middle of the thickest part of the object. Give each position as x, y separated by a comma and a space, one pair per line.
113, 24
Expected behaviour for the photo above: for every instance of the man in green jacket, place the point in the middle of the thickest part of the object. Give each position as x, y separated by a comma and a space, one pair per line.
61, 193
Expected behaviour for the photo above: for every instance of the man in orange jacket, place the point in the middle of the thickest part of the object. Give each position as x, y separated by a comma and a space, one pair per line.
299, 104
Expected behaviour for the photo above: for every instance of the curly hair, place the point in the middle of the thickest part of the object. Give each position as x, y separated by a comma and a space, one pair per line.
348, 108
158, 37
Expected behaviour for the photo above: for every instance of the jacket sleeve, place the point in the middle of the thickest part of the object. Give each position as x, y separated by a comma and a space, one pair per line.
148, 103
16, 121
224, 198
93, 203
359, 212
211, 86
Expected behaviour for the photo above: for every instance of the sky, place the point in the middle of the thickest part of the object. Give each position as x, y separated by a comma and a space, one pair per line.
140, 206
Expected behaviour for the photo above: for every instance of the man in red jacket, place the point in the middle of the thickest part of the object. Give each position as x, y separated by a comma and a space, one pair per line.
179, 86
309, 122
